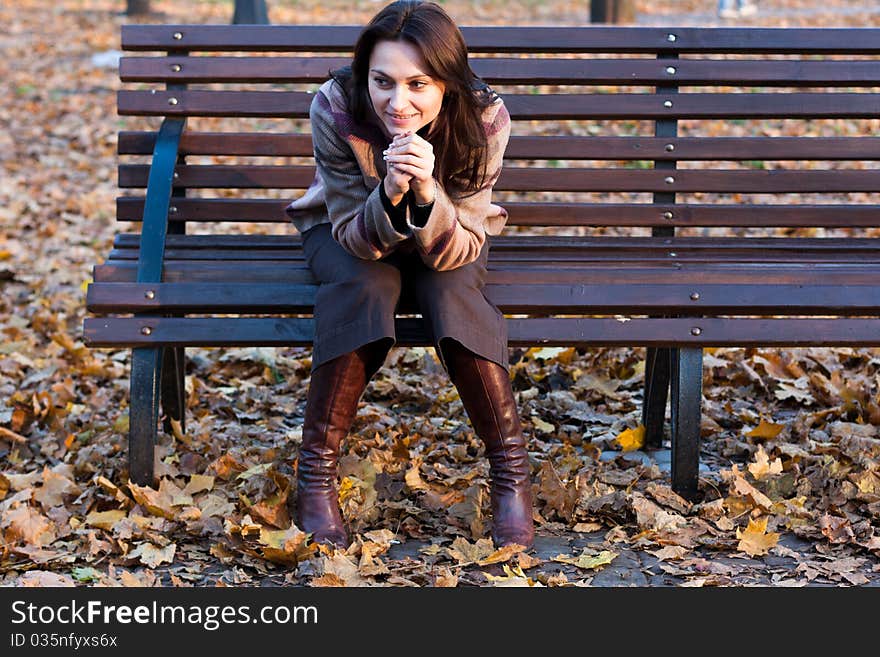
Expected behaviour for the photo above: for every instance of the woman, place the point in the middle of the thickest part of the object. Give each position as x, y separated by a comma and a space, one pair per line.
408, 143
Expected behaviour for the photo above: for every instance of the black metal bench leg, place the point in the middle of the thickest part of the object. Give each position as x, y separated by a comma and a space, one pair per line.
173, 388
656, 389
687, 387
146, 372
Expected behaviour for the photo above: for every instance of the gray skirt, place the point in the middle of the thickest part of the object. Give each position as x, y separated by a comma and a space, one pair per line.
357, 300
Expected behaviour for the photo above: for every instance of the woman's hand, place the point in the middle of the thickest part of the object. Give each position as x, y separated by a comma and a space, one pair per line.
411, 156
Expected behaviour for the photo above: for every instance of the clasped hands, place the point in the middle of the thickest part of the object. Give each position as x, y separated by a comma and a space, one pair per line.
410, 164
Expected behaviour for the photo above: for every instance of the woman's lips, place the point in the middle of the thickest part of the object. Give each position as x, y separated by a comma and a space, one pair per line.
401, 120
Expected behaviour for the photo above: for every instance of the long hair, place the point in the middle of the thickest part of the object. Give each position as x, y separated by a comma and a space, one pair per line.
457, 136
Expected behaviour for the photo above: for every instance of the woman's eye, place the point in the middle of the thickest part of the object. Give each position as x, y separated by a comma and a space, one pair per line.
419, 84
380, 81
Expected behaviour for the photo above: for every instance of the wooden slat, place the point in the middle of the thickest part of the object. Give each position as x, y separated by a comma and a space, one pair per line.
507, 70
538, 243
546, 179
550, 147
544, 273
222, 143
555, 214
518, 299
583, 332
295, 104
329, 38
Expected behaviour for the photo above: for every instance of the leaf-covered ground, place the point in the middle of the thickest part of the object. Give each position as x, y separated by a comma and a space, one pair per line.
789, 489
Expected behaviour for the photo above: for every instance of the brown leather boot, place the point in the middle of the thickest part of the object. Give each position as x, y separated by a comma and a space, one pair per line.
334, 391
485, 391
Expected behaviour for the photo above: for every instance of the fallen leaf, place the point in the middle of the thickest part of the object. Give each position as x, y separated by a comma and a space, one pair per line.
763, 467
755, 540
287, 546
465, 552
29, 525
671, 552
105, 519
55, 488
541, 425
343, 568
632, 439
512, 577
199, 484
766, 430
151, 555
502, 554
836, 529
44, 579
586, 560
445, 578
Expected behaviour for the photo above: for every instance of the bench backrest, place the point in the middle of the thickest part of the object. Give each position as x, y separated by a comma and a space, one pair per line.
613, 127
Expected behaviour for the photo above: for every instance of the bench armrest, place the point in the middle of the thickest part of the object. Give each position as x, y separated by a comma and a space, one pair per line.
159, 185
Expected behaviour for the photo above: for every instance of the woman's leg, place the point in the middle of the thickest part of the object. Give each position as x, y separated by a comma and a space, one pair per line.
487, 396
354, 317
470, 335
334, 392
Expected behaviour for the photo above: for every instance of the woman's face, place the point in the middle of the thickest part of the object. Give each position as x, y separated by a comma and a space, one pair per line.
404, 96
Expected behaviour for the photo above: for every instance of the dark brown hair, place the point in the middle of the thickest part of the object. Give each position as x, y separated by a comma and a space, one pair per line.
457, 134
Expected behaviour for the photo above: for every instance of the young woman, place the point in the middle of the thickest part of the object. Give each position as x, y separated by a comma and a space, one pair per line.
408, 143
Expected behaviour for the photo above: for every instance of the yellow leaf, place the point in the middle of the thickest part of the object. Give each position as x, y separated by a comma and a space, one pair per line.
632, 438
199, 484
445, 578
160, 502
286, 546
762, 467
105, 519
512, 577
465, 552
588, 561
152, 556
413, 477
501, 554
29, 525
56, 486
755, 540
562, 354
766, 430
540, 425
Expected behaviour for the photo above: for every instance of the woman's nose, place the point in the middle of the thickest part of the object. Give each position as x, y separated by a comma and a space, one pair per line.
398, 98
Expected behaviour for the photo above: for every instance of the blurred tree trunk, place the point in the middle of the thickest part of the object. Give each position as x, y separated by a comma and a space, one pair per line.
612, 11
250, 12
135, 7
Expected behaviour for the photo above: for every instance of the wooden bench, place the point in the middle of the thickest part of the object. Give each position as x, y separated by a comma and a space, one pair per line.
631, 223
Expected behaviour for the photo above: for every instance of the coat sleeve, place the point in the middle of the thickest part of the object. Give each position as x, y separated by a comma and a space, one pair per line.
456, 228
359, 220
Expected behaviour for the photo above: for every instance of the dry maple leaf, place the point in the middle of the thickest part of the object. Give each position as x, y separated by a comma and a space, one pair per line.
44, 578
160, 502
763, 467
766, 430
151, 555
755, 540
586, 560
56, 486
632, 439
465, 552
24, 523
512, 577
105, 519
502, 554
344, 569
445, 578
836, 529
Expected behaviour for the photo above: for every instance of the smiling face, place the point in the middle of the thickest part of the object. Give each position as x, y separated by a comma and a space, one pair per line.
404, 96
